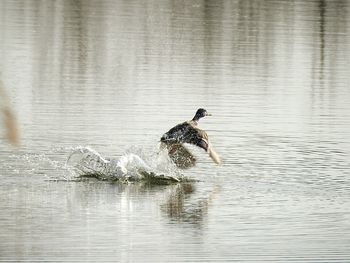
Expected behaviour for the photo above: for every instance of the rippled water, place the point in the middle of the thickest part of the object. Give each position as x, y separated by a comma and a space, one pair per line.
115, 75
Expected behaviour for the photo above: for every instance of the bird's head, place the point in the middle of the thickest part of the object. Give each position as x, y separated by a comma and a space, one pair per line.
200, 114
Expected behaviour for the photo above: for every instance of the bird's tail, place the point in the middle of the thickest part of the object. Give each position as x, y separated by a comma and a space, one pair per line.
213, 155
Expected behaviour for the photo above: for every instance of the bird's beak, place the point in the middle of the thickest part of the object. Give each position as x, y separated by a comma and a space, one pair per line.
208, 114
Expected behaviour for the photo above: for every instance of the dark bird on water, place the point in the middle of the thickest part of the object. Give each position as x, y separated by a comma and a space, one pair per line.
188, 132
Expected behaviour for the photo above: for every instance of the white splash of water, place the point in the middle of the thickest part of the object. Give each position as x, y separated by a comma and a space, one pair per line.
135, 165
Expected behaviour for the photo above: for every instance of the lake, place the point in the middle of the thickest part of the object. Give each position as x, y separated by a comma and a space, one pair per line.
115, 75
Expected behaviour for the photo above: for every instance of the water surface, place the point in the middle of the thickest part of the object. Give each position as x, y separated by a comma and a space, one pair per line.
115, 75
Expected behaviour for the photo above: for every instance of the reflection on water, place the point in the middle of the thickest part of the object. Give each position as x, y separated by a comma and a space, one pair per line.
180, 208
114, 75
80, 212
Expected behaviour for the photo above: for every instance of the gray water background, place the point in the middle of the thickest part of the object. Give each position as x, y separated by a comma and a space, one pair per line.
115, 75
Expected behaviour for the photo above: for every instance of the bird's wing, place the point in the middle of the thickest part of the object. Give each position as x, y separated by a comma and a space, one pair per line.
188, 133
175, 134
181, 156
204, 143
214, 156
202, 134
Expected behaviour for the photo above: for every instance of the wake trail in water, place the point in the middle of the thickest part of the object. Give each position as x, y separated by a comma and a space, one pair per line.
135, 165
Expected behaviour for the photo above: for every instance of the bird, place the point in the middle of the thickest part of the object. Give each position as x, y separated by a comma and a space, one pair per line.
188, 132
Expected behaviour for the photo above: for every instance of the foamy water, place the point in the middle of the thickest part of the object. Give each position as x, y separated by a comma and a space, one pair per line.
129, 167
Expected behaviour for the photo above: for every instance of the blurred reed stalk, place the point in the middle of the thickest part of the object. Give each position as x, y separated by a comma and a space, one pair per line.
8, 116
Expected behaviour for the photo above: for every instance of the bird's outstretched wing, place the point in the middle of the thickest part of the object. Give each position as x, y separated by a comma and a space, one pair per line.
175, 134
214, 156
181, 156
202, 141
186, 133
